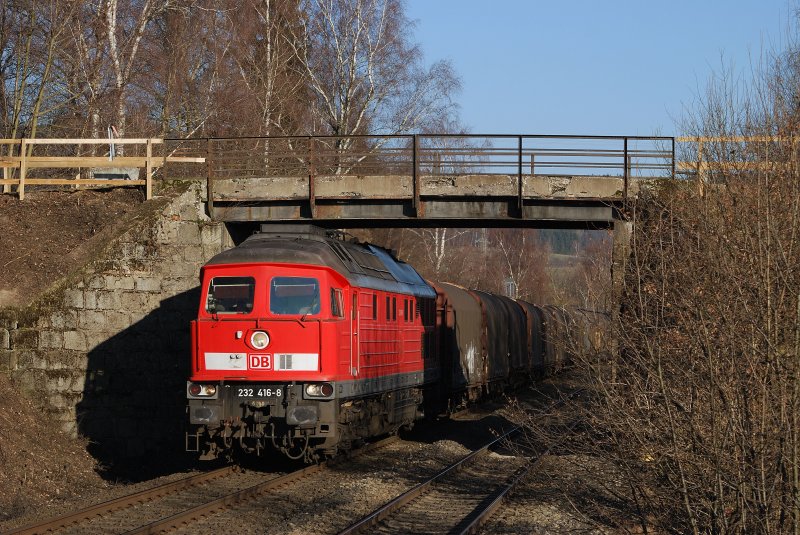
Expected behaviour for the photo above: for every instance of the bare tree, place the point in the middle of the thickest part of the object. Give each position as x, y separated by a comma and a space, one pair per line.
264, 53
364, 73
194, 86
521, 258
188, 67
124, 32
34, 34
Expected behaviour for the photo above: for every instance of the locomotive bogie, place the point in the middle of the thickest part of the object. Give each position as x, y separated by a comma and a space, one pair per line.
254, 413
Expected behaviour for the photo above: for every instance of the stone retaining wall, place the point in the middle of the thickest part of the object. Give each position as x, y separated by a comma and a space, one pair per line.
106, 351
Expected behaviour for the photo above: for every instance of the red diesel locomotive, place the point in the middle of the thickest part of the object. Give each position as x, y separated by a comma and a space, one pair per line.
305, 343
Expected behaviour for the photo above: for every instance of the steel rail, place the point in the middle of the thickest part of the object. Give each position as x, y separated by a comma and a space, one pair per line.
391, 507
235, 498
100, 509
483, 516
386, 510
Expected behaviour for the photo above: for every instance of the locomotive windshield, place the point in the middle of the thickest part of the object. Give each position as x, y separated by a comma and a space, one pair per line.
294, 295
230, 295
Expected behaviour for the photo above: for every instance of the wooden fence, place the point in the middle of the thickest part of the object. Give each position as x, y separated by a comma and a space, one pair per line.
18, 157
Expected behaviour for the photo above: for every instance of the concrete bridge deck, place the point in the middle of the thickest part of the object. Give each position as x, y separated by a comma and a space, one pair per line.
553, 201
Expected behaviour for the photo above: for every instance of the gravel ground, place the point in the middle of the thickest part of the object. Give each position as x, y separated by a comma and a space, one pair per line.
331, 500
565, 494
544, 503
74, 502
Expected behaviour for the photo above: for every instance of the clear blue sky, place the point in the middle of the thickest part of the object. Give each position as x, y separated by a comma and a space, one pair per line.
592, 67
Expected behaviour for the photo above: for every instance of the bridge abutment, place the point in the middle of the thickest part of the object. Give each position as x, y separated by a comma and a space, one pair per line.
620, 255
105, 352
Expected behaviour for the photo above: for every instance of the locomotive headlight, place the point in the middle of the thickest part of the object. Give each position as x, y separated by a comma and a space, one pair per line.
319, 390
197, 390
259, 340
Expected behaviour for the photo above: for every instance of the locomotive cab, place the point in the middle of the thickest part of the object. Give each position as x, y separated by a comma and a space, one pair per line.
259, 371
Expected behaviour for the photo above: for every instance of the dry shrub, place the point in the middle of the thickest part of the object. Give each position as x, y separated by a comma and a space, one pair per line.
699, 412
704, 410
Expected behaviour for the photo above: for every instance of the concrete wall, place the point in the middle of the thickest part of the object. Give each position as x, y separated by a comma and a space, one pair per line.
105, 352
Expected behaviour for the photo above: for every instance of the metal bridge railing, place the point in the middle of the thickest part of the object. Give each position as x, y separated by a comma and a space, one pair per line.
59, 162
440, 155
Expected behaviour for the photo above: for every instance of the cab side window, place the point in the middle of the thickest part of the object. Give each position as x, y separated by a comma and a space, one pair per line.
337, 303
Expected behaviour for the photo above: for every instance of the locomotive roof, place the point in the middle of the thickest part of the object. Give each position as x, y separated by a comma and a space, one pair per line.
364, 265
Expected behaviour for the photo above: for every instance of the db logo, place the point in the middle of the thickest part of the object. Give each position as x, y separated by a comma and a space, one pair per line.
260, 362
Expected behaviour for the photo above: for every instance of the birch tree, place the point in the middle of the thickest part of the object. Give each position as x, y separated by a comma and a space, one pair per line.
365, 74
124, 32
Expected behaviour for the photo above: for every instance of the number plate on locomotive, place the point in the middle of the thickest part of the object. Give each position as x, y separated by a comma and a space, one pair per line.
258, 391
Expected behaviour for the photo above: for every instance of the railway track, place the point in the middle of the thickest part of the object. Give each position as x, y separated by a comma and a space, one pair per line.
324, 498
178, 503
459, 499
131, 500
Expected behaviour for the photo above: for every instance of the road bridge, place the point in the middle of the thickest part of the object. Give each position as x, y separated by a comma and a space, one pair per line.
431, 180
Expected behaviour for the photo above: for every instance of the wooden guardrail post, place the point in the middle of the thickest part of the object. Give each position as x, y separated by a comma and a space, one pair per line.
6, 175
23, 167
6, 168
700, 168
149, 170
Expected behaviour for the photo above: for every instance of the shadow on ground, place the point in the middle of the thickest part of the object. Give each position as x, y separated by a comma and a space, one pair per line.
133, 406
